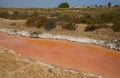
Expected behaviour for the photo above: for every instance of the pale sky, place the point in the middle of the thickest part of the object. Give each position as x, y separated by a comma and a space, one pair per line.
53, 3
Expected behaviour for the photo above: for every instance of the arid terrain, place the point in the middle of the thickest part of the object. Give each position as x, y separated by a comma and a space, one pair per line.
95, 49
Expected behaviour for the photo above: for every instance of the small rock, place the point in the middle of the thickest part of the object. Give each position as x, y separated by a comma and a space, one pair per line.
35, 33
50, 70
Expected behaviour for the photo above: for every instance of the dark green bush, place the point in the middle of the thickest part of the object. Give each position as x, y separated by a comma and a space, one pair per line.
49, 24
109, 4
63, 5
69, 26
5, 14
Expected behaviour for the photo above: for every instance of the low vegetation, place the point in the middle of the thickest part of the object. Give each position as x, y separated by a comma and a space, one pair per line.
36, 21
14, 15
48, 19
69, 26
116, 27
96, 26
49, 24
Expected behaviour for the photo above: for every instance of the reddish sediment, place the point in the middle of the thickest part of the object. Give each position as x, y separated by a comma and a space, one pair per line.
83, 57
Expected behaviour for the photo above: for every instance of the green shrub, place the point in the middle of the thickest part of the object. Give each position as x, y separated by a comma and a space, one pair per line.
49, 24
62, 17
69, 26
36, 21
63, 5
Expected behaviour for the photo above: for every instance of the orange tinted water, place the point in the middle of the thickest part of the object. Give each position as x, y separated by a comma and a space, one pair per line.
83, 57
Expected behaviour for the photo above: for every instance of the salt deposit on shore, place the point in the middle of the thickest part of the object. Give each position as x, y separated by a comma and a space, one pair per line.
115, 44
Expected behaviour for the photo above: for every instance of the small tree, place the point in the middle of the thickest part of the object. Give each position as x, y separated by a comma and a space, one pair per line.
109, 4
116, 5
96, 5
100, 6
63, 5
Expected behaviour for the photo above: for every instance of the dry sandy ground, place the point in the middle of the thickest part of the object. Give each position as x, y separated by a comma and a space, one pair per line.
104, 33
14, 66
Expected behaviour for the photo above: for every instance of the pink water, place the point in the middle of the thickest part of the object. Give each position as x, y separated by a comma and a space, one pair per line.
84, 57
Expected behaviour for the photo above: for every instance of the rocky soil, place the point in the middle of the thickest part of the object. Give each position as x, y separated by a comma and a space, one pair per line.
15, 66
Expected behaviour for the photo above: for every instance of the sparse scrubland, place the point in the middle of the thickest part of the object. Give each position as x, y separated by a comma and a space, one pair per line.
98, 23
48, 19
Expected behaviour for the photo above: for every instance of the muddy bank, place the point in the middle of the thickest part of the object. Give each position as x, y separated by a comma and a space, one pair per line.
111, 44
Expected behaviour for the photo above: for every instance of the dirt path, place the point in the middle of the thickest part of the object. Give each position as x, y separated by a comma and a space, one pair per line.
83, 57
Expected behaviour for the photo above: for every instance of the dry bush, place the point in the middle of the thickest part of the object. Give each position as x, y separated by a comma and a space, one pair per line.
69, 26
116, 27
49, 24
19, 15
36, 21
95, 26
5, 14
